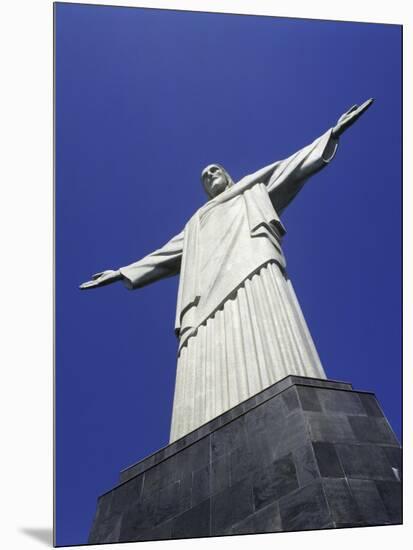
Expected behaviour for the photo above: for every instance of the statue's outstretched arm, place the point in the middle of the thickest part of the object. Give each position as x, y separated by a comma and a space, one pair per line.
289, 175
164, 262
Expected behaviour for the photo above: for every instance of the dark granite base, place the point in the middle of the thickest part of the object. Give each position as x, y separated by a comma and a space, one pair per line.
302, 454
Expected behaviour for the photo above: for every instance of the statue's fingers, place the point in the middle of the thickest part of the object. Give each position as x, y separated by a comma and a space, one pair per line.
97, 275
364, 106
346, 115
353, 108
358, 112
88, 284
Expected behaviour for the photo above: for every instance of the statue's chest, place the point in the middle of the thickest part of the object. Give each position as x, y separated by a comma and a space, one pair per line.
224, 240
215, 218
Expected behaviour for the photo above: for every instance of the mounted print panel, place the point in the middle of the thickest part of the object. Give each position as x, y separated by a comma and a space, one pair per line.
228, 274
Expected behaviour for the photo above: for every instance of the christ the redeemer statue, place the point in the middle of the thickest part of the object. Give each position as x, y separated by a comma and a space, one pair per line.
239, 324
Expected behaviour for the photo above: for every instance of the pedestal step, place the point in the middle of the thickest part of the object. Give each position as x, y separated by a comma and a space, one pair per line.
302, 454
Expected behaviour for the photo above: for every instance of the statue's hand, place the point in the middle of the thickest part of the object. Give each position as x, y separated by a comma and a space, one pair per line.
101, 279
350, 117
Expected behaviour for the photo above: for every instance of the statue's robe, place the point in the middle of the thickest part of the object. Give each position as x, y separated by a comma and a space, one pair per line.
239, 324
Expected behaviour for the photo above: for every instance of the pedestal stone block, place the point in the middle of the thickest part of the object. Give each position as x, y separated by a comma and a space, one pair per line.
302, 454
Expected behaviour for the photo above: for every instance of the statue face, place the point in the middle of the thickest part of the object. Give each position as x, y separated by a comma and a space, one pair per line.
215, 179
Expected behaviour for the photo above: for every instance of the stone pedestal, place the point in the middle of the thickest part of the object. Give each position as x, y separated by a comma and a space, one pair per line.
302, 454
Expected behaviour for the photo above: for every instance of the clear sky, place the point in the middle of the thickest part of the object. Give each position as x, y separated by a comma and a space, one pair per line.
144, 100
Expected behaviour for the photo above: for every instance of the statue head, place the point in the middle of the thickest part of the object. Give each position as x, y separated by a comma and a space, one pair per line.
215, 180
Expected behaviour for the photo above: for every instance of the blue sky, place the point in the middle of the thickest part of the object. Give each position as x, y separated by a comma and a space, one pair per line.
144, 100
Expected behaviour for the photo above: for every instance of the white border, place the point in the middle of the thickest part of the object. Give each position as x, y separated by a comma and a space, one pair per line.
26, 251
